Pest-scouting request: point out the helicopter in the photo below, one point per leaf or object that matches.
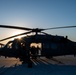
(47, 45)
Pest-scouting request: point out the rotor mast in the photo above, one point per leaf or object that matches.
(36, 30)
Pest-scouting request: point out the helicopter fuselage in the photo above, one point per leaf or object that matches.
(49, 46)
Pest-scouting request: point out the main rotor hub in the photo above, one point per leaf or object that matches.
(37, 30)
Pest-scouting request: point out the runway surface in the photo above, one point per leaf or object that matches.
(65, 65)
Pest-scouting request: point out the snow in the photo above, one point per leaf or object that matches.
(14, 67)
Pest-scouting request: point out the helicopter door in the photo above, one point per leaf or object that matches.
(35, 48)
(45, 48)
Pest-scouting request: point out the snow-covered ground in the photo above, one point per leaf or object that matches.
(65, 65)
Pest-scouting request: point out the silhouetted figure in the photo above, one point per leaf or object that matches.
(33, 51)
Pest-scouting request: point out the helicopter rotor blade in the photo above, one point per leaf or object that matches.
(1, 44)
(14, 27)
(35, 29)
(15, 36)
(59, 27)
(44, 33)
(40, 30)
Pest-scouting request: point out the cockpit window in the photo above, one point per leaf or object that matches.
(9, 45)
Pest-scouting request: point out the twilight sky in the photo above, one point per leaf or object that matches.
(38, 13)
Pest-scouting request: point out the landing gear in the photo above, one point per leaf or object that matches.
(30, 64)
(49, 57)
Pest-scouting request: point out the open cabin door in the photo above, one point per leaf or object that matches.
(35, 48)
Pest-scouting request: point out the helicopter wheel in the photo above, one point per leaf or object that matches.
(49, 57)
